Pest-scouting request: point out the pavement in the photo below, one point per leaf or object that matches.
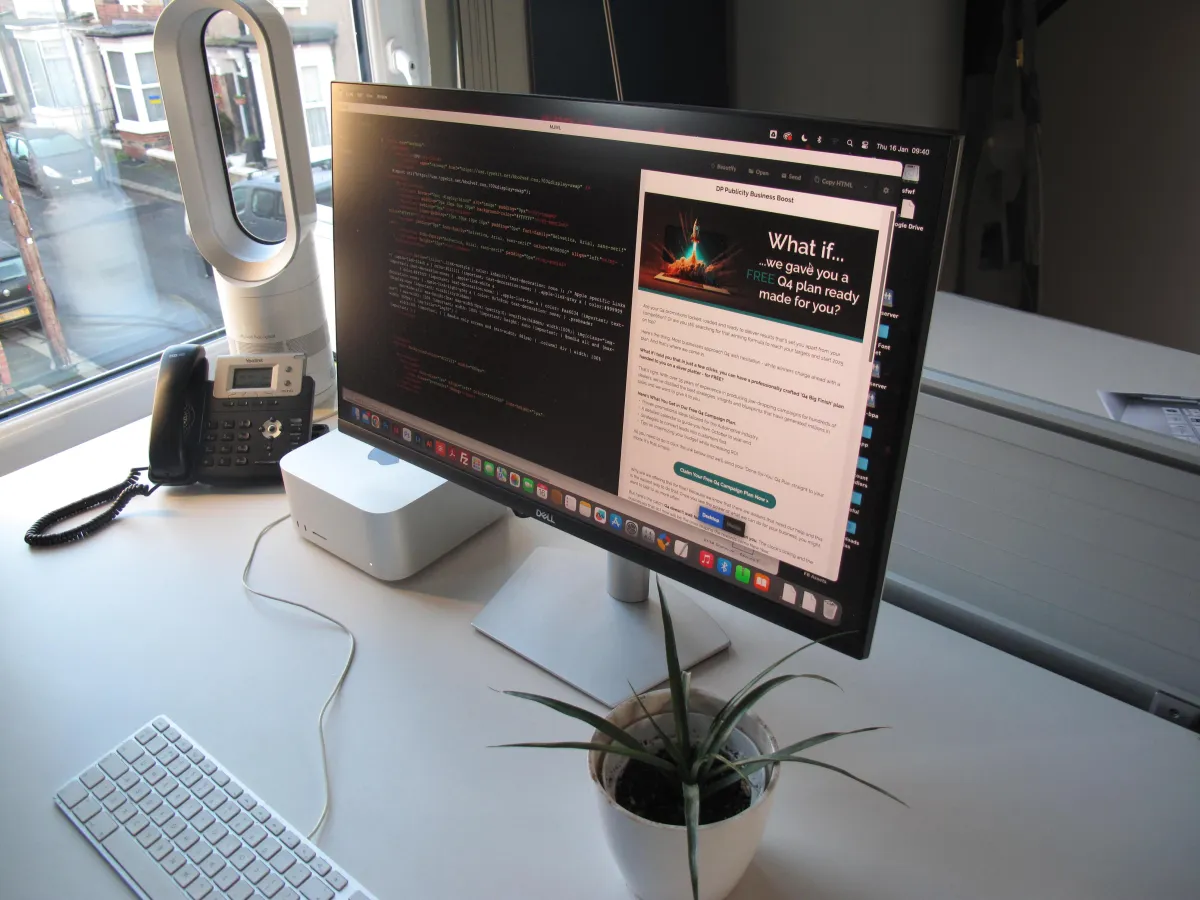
(126, 279)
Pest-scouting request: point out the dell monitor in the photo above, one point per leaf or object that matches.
(690, 337)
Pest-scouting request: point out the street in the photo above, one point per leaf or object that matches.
(126, 279)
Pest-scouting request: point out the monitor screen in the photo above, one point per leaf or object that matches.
(692, 337)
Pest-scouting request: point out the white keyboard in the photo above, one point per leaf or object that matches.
(175, 825)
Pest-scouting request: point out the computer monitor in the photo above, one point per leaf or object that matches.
(690, 337)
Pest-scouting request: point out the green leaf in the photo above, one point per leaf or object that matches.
(707, 790)
(813, 762)
(598, 722)
(691, 818)
(616, 749)
(676, 681)
(752, 764)
(675, 751)
(718, 735)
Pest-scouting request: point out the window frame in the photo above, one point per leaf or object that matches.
(128, 49)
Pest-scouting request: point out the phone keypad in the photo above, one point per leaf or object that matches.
(248, 446)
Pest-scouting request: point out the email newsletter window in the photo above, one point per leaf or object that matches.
(673, 327)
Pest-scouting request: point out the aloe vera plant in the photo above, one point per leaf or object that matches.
(703, 767)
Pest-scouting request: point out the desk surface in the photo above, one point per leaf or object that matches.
(1022, 784)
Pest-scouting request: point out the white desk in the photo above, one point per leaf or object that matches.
(1022, 784)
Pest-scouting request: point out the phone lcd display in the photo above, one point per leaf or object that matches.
(259, 377)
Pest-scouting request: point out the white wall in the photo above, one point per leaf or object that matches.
(894, 61)
(1121, 86)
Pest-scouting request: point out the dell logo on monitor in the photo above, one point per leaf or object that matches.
(544, 516)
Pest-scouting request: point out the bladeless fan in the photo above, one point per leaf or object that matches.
(270, 293)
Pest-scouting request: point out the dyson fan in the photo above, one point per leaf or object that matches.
(270, 293)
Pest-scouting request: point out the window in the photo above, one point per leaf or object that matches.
(121, 86)
(51, 74)
(97, 180)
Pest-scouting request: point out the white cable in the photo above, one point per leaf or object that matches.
(337, 685)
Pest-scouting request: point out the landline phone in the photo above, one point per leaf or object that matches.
(231, 430)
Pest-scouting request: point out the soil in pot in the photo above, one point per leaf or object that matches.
(647, 792)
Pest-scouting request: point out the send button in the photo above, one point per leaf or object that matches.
(712, 517)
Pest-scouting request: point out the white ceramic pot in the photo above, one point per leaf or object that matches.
(653, 857)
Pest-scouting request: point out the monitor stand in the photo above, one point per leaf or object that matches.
(554, 612)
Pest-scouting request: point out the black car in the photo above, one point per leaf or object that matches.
(16, 300)
(50, 160)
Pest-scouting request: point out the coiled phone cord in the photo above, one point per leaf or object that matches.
(117, 496)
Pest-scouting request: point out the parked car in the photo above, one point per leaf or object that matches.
(50, 160)
(16, 299)
(259, 204)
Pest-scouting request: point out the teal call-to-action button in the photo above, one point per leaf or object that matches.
(733, 488)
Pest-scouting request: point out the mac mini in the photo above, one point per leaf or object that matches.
(385, 516)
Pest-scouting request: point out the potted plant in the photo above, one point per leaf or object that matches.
(685, 781)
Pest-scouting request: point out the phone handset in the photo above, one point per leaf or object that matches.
(179, 406)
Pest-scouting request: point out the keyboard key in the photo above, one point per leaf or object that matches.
(103, 789)
(289, 840)
(183, 746)
(190, 777)
(254, 835)
(233, 789)
(314, 889)
(287, 894)
(130, 750)
(260, 813)
(187, 840)
(202, 821)
(305, 852)
(219, 777)
(144, 763)
(167, 785)
(156, 745)
(168, 755)
(228, 845)
(200, 852)
(190, 807)
(227, 811)
(160, 848)
(156, 774)
(297, 875)
(241, 858)
(150, 804)
(240, 891)
(247, 802)
(128, 780)
(215, 833)
(172, 734)
(199, 889)
(226, 878)
(203, 788)
(179, 766)
(113, 766)
(86, 809)
(239, 823)
(207, 766)
(275, 827)
(195, 756)
(101, 826)
(174, 860)
(255, 872)
(146, 735)
(337, 879)
(139, 792)
(178, 797)
(320, 867)
(115, 800)
(214, 800)
(270, 885)
(150, 835)
(125, 812)
(162, 815)
(212, 865)
(137, 824)
(92, 777)
(186, 876)
(268, 848)
(161, 724)
(174, 827)
(282, 861)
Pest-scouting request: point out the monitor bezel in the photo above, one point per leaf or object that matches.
(856, 643)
